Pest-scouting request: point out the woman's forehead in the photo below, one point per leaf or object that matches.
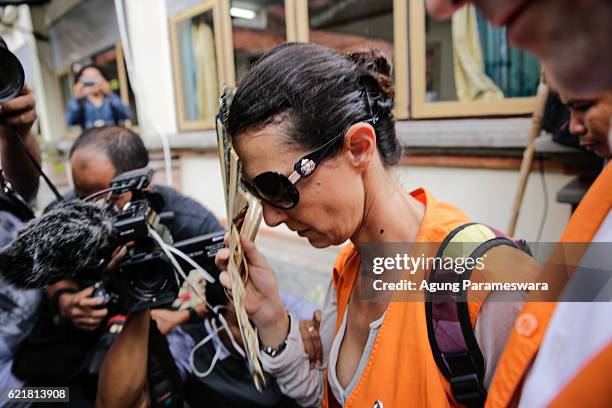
(264, 150)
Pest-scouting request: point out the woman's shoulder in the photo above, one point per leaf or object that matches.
(440, 219)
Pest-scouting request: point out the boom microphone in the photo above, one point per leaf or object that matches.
(73, 236)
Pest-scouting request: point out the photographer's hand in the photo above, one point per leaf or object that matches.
(167, 319)
(18, 115)
(262, 299)
(16, 119)
(80, 91)
(82, 309)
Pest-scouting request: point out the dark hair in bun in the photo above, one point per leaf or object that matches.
(322, 93)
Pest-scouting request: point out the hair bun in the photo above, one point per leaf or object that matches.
(377, 65)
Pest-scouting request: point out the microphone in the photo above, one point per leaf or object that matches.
(73, 236)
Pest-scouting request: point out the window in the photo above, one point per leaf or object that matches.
(112, 62)
(257, 27)
(197, 66)
(465, 67)
(66, 81)
(350, 25)
(358, 24)
(125, 87)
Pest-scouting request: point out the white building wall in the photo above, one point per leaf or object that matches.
(152, 82)
(39, 74)
(485, 195)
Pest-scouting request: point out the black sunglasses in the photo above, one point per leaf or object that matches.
(279, 190)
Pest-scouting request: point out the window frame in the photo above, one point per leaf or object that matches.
(122, 79)
(421, 109)
(216, 6)
(59, 74)
(224, 51)
(122, 74)
(292, 33)
(400, 49)
(297, 30)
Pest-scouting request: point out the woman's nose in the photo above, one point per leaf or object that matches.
(272, 215)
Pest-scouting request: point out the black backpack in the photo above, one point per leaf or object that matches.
(449, 328)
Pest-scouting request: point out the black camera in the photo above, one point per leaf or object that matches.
(146, 277)
(12, 77)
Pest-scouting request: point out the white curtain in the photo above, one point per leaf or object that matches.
(207, 83)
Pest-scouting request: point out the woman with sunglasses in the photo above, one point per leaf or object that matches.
(315, 132)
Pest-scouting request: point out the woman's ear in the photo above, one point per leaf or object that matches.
(360, 145)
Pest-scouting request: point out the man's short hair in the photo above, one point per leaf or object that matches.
(123, 147)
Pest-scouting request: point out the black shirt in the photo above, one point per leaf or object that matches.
(191, 219)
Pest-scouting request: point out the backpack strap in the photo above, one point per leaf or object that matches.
(449, 327)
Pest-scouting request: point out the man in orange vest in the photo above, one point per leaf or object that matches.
(561, 354)
(591, 121)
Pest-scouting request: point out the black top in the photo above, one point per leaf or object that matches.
(230, 384)
(191, 219)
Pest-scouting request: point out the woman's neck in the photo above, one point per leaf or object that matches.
(391, 214)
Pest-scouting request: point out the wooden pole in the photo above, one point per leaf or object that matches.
(536, 126)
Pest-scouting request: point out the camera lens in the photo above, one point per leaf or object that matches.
(12, 76)
(146, 284)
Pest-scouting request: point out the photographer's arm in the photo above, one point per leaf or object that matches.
(16, 119)
(123, 377)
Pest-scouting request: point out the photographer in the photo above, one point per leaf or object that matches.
(94, 104)
(71, 333)
(207, 355)
(96, 157)
(16, 306)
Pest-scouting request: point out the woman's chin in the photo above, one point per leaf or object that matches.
(319, 244)
(316, 240)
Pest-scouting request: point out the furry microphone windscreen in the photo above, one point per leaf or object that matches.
(73, 236)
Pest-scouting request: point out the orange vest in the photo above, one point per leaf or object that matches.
(533, 320)
(401, 371)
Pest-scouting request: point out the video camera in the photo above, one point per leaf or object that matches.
(146, 277)
(12, 77)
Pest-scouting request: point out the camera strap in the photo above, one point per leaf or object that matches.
(40, 171)
(12, 202)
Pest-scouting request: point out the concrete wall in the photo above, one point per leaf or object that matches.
(39, 73)
(152, 84)
(485, 195)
